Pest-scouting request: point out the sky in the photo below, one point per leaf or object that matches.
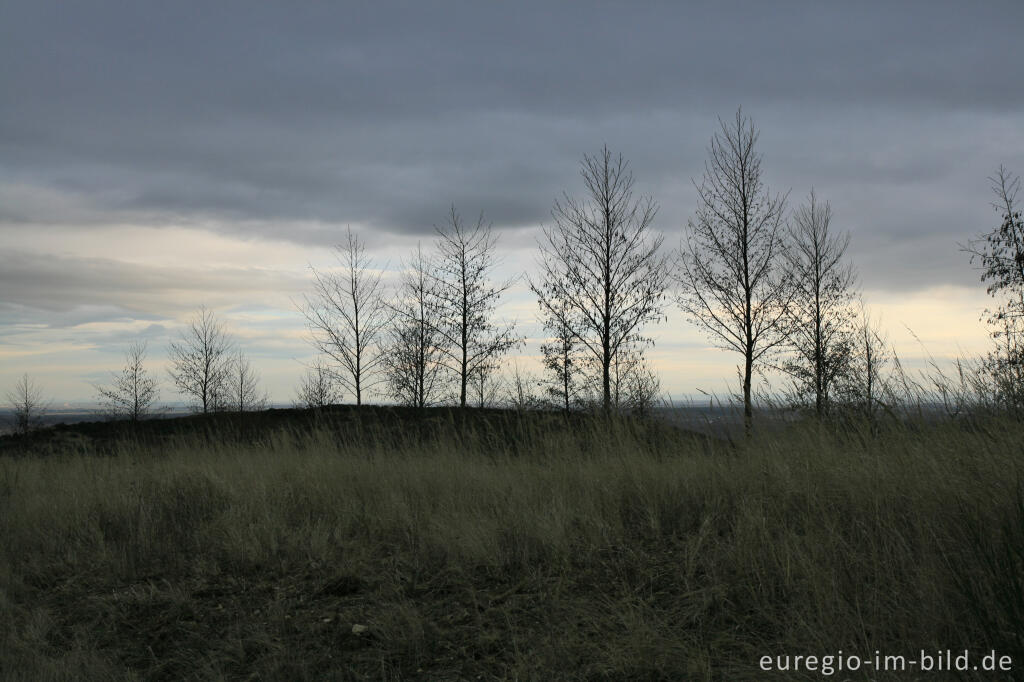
(160, 156)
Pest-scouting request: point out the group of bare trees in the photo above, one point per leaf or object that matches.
(211, 370)
(435, 339)
(773, 286)
(206, 367)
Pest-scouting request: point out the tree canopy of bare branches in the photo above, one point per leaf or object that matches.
(731, 274)
(467, 300)
(201, 362)
(132, 393)
(602, 275)
(820, 319)
(412, 358)
(347, 315)
(26, 400)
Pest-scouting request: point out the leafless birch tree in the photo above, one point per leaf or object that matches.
(467, 300)
(731, 272)
(602, 275)
(242, 391)
(347, 315)
(318, 388)
(132, 393)
(201, 362)
(563, 380)
(820, 321)
(412, 357)
(865, 383)
(26, 400)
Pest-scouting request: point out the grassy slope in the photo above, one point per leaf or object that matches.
(503, 548)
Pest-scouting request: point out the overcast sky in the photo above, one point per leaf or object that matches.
(155, 156)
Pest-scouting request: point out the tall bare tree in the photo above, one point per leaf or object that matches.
(347, 315)
(602, 275)
(413, 354)
(820, 321)
(132, 393)
(467, 300)
(201, 362)
(26, 400)
(1000, 254)
(731, 272)
(243, 393)
(318, 388)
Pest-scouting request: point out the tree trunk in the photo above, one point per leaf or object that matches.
(748, 409)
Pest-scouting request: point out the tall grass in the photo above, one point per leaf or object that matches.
(595, 552)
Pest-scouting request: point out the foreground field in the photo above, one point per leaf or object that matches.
(508, 547)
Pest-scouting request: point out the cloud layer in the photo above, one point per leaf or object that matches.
(267, 123)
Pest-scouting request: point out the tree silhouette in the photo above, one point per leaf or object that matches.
(731, 272)
(133, 393)
(347, 315)
(1000, 254)
(26, 400)
(201, 362)
(602, 277)
(413, 354)
(242, 390)
(467, 300)
(318, 388)
(819, 323)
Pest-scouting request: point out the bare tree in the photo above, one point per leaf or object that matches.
(519, 392)
(602, 277)
(731, 272)
(318, 388)
(563, 382)
(1000, 254)
(820, 321)
(864, 383)
(642, 388)
(201, 362)
(412, 357)
(132, 393)
(486, 385)
(347, 315)
(634, 386)
(242, 391)
(26, 400)
(467, 300)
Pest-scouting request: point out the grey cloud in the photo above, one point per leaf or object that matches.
(74, 291)
(274, 118)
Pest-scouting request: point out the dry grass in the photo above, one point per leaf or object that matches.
(589, 553)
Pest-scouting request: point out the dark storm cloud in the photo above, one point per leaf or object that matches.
(260, 115)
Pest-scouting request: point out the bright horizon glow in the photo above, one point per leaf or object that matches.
(67, 361)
